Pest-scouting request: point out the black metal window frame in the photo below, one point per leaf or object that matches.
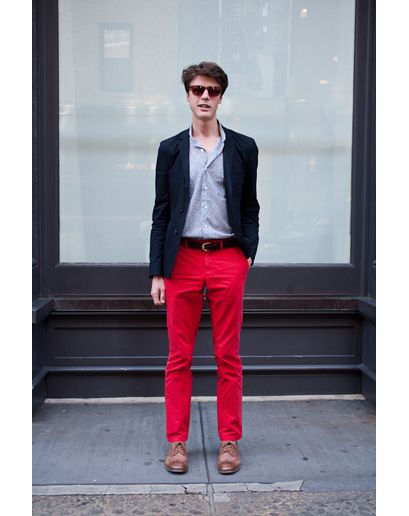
(93, 279)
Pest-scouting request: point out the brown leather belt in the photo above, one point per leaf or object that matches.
(211, 244)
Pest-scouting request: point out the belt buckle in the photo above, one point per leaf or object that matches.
(203, 246)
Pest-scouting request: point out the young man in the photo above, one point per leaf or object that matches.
(204, 234)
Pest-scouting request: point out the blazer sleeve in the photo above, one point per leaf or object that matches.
(249, 204)
(160, 214)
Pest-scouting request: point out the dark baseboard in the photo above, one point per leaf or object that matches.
(118, 348)
(369, 388)
(39, 394)
(256, 382)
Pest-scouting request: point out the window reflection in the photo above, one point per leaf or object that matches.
(116, 62)
(116, 43)
(290, 66)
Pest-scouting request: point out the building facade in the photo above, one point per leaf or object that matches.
(106, 91)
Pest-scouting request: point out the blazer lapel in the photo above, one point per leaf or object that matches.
(184, 155)
(228, 151)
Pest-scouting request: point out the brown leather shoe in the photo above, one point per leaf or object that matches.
(176, 458)
(229, 457)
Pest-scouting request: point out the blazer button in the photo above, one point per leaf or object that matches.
(175, 231)
(181, 210)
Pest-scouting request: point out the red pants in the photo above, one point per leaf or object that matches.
(224, 273)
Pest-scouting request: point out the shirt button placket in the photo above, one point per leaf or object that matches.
(204, 194)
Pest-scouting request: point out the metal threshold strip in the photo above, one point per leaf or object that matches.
(205, 399)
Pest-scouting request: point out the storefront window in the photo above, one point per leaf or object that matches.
(290, 66)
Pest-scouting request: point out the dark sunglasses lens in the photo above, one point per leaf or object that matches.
(213, 91)
(197, 90)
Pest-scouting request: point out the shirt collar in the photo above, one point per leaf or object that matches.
(222, 133)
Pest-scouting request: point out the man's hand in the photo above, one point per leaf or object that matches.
(158, 290)
(249, 262)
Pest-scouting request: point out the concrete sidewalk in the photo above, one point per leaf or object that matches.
(298, 456)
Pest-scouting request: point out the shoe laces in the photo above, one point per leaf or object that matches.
(179, 448)
(230, 448)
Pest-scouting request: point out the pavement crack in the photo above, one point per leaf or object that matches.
(210, 498)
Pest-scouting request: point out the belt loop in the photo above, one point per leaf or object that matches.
(221, 244)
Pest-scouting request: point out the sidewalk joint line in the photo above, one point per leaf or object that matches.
(203, 443)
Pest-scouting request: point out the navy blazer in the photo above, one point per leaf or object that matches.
(172, 185)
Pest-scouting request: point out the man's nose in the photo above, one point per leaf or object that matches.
(205, 94)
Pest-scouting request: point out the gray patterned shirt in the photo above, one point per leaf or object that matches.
(207, 213)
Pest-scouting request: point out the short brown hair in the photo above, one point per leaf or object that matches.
(208, 69)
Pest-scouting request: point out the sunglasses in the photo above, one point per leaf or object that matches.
(213, 91)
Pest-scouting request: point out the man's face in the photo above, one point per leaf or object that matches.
(204, 106)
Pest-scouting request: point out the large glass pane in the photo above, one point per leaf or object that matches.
(290, 66)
